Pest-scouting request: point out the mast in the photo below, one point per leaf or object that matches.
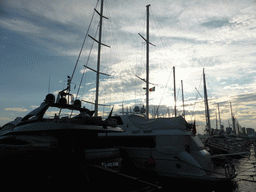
(216, 121)
(174, 85)
(233, 120)
(147, 65)
(238, 129)
(98, 62)
(183, 114)
(219, 116)
(207, 115)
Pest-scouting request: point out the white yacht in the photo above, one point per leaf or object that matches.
(76, 131)
(165, 146)
(39, 148)
(37, 132)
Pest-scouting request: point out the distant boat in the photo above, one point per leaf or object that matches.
(222, 146)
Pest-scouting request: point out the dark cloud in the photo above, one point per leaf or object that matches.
(205, 61)
(177, 39)
(217, 23)
(245, 98)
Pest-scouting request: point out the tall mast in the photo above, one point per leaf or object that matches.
(216, 121)
(98, 73)
(233, 120)
(147, 65)
(174, 84)
(219, 116)
(183, 99)
(98, 62)
(207, 115)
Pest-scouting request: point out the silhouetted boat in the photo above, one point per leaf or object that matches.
(37, 147)
(163, 146)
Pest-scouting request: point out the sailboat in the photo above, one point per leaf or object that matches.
(162, 146)
(36, 147)
(221, 146)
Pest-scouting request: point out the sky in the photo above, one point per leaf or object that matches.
(40, 41)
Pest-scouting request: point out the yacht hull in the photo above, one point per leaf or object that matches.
(181, 166)
(173, 165)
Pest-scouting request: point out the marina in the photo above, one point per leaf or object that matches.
(63, 144)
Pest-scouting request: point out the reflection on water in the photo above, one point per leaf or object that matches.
(246, 173)
(244, 182)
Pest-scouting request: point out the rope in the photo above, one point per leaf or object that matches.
(163, 94)
(86, 64)
(83, 44)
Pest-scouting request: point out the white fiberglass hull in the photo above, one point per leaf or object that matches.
(181, 165)
(173, 165)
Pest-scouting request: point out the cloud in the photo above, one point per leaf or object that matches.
(5, 119)
(219, 36)
(51, 113)
(34, 106)
(216, 23)
(60, 10)
(19, 25)
(16, 109)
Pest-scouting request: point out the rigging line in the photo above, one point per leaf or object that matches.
(86, 63)
(159, 29)
(83, 43)
(116, 53)
(197, 93)
(177, 100)
(158, 26)
(163, 93)
(178, 93)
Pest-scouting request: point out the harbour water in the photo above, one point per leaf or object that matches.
(246, 173)
(245, 180)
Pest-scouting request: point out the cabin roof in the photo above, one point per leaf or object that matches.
(159, 123)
